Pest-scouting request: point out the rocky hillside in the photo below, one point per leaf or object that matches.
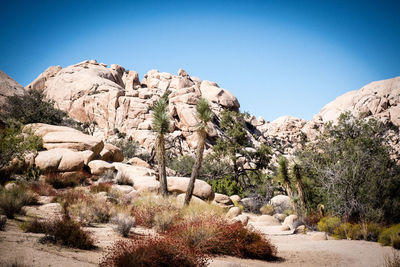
(117, 101)
(9, 87)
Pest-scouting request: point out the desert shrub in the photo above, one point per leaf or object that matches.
(128, 147)
(13, 144)
(32, 108)
(146, 207)
(123, 179)
(348, 231)
(181, 165)
(386, 237)
(352, 172)
(58, 181)
(201, 211)
(329, 224)
(67, 233)
(3, 221)
(71, 197)
(33, 226)
(124, 223)
(218, 237)
(164, 221)
(12, 200)
(311, 220)
(107, 176)
(371, 231)
(267, 209)
(91, 210)
(152, 252)
(226, 186)
(62, 231)
(100, 187)
(43, 189)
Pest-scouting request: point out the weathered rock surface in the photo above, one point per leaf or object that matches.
(281, 203)
(60, 160)
(201, 189)
(98, 167)
(9, 87)
(223, 199)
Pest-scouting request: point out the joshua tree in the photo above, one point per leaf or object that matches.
(283, 176)
(296, 171)
(161, 127)
(205, 115)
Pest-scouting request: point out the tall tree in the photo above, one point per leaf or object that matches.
(283, 175)
(296, 173)
(161, 127)
(205, 115)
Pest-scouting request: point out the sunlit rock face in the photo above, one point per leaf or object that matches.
(116, 99)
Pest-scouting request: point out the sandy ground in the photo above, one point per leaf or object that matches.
(294, 250)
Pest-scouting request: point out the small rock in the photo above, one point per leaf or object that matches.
(235, 198)
(223, 199)
(244, 219)
(233, 212)
(300, 230)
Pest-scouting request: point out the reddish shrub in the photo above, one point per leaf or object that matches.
(61, 231)
(311, 220)
(152, 251)
(220, 237)
(43, 189)
(58, 181)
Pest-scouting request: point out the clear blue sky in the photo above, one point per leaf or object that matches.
(278, 57)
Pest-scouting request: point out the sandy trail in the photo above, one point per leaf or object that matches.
(295, 250)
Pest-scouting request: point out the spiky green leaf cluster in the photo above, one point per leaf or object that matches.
(160, 116)
(204, 112)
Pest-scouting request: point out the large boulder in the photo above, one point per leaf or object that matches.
(201, 189)
(281, 203)
(223, 199)
(211, 92)
(111, 153)
(98, 167)
(142, 179)
(60, 160)
(65, 137)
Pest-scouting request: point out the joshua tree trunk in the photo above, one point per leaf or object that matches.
(197, 165)
(162, 174)
(300, 191)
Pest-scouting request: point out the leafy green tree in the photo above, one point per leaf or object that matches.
(351, 172)
(235, 145)
(32, 108)
(161, 127)
(205, 115)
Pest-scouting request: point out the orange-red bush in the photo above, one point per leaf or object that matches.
(219, 237)
(152, 251)
(43, 189)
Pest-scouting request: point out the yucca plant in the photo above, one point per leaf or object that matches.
(204, 114)
(283, 175)
(161, 127)
(296, 171)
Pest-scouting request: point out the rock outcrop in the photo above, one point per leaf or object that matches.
(113, 98)
(9, 87)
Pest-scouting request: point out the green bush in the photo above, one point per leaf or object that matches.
(129, 148)
(329, 224)
(267, 209)
(348, 231)
(371, 231)
(32, 108)
(13, 144)
(12, 200)
(387, 235)
(226, 186)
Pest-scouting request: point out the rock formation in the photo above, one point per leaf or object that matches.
(9, 87)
